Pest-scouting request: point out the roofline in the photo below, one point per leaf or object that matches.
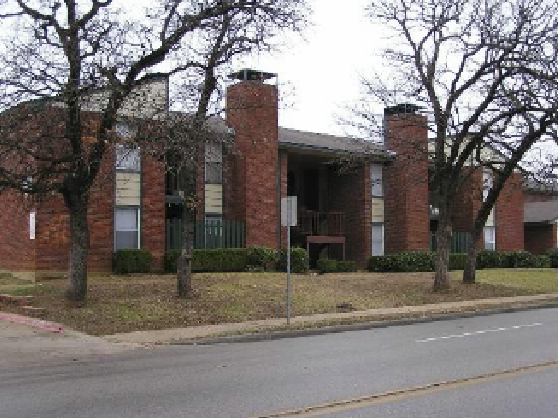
(290, 145)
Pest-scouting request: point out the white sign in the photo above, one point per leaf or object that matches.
(32, 225)
(288, 206)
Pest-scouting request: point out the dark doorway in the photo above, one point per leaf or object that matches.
(312, 189)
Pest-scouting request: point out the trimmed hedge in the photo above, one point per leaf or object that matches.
(346, 266)
(552, 254)
(413, 261)
(261, 259)
(299, 260)
(211, 260)
(325, 265)
(131, 261)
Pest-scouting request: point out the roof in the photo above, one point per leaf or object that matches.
(291, 138)
(541, 212)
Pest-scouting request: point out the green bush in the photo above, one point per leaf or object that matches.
(131, 261)
(457, 261)
(261, 258)
(211, 260)
(299, 260)
(492, 259)
(405, 261)
(520, 259)
(541, 261)
(325, 265)
(346, 266)
(552, 254)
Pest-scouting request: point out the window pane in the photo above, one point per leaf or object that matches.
(376, 180)
(127, 158)
(377, 240)
(126, 240)
(213, 153)
(213, 173)
(489, 238)
(126, 220)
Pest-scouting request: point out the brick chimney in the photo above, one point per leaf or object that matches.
(406, 196)
(251, 196)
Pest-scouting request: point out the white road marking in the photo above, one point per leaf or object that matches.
(470, 334)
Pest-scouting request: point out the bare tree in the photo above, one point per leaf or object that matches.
(63, 59)
(484, 71)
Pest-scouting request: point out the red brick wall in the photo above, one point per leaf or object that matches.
(540, 238)
(406, 184)
(153, 224)
(468, 201)
(53, 231)
(252, 112)
(351, 193)
(510, 215)
(17, 251)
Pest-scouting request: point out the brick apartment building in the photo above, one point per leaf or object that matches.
(379, 204)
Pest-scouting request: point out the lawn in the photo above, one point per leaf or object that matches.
(126, 303)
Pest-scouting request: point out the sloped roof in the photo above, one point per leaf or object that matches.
(292, 138)
(541, 211)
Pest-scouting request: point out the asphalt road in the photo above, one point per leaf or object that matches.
(245, 379)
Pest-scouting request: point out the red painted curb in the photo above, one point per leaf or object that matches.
(32, 322)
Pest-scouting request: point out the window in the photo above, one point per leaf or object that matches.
(487, 185)
(378, 239)
(376, 180)
(127, 158)
(213, 164)
(489, 238)
(126, 227)
(213, 231)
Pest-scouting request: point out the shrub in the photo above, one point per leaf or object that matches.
(552, 254)
(405, 261)
(261, 258)
(457, 261)
(520, 259)
(325, 265)
(491, 259)
(542, 261)
(346, 266)
(299, 260)
(210, 260)
(131, 261)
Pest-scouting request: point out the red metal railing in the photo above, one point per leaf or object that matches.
(321, 223)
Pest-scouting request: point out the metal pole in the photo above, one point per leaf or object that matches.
(288, 261)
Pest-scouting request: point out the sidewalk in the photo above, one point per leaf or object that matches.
(22, 343)
(323, 323)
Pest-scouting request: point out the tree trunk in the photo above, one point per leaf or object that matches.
(470, 268)
(184, 265)
(79, 246)
(441, 277)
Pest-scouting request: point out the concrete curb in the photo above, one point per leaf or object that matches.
(361, 326)
(32, 322)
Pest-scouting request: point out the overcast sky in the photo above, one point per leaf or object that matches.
(320, 75)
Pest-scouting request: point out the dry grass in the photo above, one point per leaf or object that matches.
(120, 304)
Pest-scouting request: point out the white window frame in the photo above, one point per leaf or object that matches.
(377, 181)
(214, 157)
(138, 224)
(127, 158)
(489, 245)
(382, 228)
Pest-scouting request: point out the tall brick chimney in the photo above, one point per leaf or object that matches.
(406, 196)
(252, 111)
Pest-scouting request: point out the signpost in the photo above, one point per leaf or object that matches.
(288, 219)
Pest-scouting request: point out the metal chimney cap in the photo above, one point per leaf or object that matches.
(251, 75)
(402, 108)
